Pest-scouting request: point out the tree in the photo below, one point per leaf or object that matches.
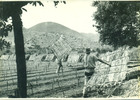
(117, 22)
(14, 10)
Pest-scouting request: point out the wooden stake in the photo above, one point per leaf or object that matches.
(7, 85)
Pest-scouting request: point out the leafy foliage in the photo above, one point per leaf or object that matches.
(4, 44)
(118, 22)
(57, 2)
(7, 9)
(4, 28)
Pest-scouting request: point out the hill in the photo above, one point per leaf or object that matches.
(46, 33)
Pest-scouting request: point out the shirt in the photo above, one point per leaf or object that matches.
(89, 62)
(59, 62)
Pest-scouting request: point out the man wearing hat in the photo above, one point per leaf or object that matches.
(89, 64)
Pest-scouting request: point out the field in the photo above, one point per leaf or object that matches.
(42, 80)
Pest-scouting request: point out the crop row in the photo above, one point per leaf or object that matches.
(39, 81)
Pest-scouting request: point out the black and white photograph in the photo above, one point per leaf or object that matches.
(87, 49)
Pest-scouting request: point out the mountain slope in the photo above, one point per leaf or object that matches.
(47, 33)
(51, 27)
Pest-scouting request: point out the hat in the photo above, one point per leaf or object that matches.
(87, 49)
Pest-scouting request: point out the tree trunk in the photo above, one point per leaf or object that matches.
(20, 55)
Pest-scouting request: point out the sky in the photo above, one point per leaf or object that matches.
(75, 14)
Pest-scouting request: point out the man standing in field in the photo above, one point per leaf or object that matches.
(60, 66)
(89, 65)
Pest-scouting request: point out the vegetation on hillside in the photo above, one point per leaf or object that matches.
(45, 34)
